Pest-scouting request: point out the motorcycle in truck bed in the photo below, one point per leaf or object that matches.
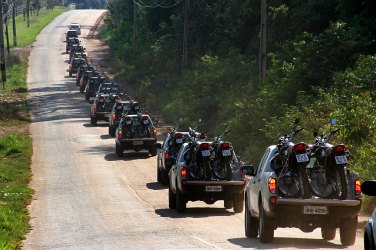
(267, 208)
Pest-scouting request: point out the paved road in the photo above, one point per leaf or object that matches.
(87, 198)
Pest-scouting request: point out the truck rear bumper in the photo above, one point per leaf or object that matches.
(196, 190)
(136, 143)
(289, 213)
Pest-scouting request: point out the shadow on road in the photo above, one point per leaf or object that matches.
(128, 156)
(107, 136)
(281, 243)
(195, 212)
(155, 186)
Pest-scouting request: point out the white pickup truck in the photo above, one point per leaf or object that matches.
(266, 210)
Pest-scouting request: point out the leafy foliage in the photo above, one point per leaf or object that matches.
(321, 64)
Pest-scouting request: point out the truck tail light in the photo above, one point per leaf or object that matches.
(155, 132)
(113, 117)
(184, 171)
(120, 134)
(273, 200)
(357, 186)
(272, 185)
(166, 154)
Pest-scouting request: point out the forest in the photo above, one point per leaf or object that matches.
(321, 64)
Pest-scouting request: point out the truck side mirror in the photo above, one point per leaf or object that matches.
(248, 170)
(369, 188)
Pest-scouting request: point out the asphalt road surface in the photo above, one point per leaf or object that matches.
(87, 198)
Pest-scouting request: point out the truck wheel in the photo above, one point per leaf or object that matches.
(153, 150)
(159, 172)
(328, 233)
(181, 204)
(347, 231)
(228, 204)
(164, 178)
(250, 224)
(119, 150)
(70, 73)
(238, 206)
(111, 131)
(171, 199)
(93, 121)
(266, 232)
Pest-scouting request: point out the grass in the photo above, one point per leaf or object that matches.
(15, 174)
(27, 35)
(15, 142)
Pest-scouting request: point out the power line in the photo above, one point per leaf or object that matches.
(140, 3)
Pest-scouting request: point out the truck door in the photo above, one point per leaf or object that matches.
(255, 184)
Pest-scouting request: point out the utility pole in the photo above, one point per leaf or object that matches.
(135, 47)
(14, 24)
(262, 66)
(185, 37)
(2, 52)
(28, 12)
(7, 34)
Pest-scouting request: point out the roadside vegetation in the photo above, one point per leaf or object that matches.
(15, 142)
(321, 64)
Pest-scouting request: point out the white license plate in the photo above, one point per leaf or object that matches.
(146, 122)
(179, 140)
(101, 100)
(302, 158)
(315, 210)
(138, 143)
(128, 122)
(205, 153)
(226, 152)
(341, 159)
(213, 188)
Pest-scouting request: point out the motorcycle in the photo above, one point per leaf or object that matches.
(328, 174)
(222, 154)
(289, 163)
(198, 156)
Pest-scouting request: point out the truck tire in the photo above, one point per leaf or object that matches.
(93, 121)
(153, 150)
(164, 178)
(119, 150)
(266, 232)
(328, 233)
(159, 172)
(228, 203)
(70, 73)
(181, 204)
(111, 131)
(238, 206)
(171, 199)
(347, 231)
(250, 224)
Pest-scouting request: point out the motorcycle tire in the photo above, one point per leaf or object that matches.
(207, 170)
(340, 172)
(304, 182)
(228, 170)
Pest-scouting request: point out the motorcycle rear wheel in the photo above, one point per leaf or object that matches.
(341, 181)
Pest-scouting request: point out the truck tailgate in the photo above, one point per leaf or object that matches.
(215, 183)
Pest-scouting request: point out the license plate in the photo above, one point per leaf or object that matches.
(302, 158)
(341, 159)
(138, 143)
(146, 122)
(101, 100)
(179, 141)
(315, 210)
(226, 152)
(128, 122)
(205, 153)
(213, 188)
